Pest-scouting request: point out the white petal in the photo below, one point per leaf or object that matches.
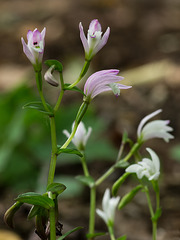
(102, 215)
(145, 119)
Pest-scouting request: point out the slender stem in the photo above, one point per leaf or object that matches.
(105, 175)
(111, 232)
(39, 86)
(54, 150)
(61, 93)
(59, 100)
(80, 114)
(52, 218)
(84, 166)
(81, 75)
(92, 210)
(112, 168)
(154, 222)
(154, 226)
(149, 201)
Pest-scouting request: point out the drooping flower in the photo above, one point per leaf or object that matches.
(154, 129)
(34, 48)
(102, 81)
(147, 167)
(50, 78)
(108, 208)
(94, 41)
(81, 136)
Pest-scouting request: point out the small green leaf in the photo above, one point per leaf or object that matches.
(8, 216)
(39, 106)
(58, 66)
(66, 87)
(157, 215)
(122, 164)
(69, 151)
(93, 235)
(56, 188)
(36, 199)
(36, 210)
(124, 237)
(118, 183)
(129, 196)
(69, 232)
(89, 181)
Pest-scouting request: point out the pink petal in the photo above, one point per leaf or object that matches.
(83, 38)
(27, 52)
(102, 42)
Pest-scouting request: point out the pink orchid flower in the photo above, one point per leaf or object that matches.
(34, 48)
(102, 81)
(94, 41)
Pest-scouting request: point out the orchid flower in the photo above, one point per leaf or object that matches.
(154, 129)
(103, 81)
(147, 167)
(81, 136)
(34, 48)
(108, 208)
(50, 78)
(94, 41)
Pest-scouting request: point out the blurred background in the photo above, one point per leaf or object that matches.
(145, 45)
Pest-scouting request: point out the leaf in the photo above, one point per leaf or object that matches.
(129, 196)
(58, 66)
(56, 188)
(89, 235)
(36, 199)
(69, 232)
(39, 106)
(69, 151)
(89, 181)
(122, 164)
(36, 210)
(8, 216)
(124, 237)
(157, 215)
(66, 87)
(118, 183)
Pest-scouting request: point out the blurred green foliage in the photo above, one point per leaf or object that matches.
(25, 145)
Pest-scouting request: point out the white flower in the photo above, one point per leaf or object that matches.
(81, 136)
(154, 129)
(147, 167)
(108, 208)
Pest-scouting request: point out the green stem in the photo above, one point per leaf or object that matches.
(105, 175)
(84, 166)
(83, 72)
(39, 86)
(111, 232)
(59, 100)
(154, 222)
(113, 167)
(52, 218)
(61, 93)
(54, 150)
(80, 114)
(92, 210)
